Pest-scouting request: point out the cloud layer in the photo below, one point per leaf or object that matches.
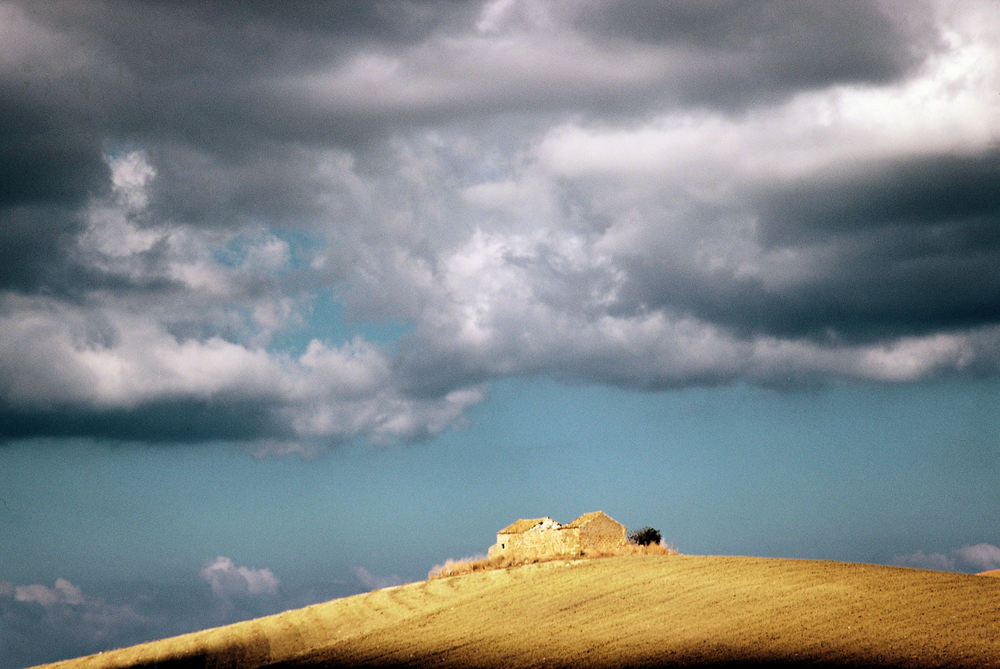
(651, 197)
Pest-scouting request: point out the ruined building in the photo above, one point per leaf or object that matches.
(594, 532)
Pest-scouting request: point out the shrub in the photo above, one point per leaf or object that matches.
(645, 536)
(475, 563)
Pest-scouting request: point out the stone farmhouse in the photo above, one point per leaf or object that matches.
(593, 532)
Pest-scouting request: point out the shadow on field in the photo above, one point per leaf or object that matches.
(678, 663)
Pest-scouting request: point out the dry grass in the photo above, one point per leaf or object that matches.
(630, 611)
(469, 565)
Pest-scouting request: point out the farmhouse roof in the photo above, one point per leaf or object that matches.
(586, 518)
(523, 525)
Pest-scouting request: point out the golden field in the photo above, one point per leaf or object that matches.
(640, 610)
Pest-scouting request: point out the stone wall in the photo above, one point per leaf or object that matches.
(602, 534)
(598, 533)
(537, 542)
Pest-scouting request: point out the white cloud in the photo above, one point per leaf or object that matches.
(376, 581)
(130, 174)
(921, 560)
(40, 623)
(493, 14)
(903, 359)
(672, 188)
(122, 238)
(52, 354)
(110, 352)
(271, 253)
(510, 302)
(521, 57)
(950, 105)
(62, 592)
(111, 235)
(30, 46)
(68, 611)
(494, 194)
(227, 579)
(977, 558)
(982, 557)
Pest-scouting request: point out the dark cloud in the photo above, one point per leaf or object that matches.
(231, 84)
(886, 283)
(34, 242)
(642, 194)
(208, 76)
(744, 52)
(910, 243)
(182, 420)
(775, 27)
(232, 41)
(276, 184)
(234, 78)
(47, 156)
(957, 194)
(875, 296)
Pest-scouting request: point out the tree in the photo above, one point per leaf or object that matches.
(645, 536)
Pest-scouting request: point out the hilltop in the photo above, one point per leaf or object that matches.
(620, 611)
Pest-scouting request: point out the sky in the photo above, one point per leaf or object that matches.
(298, 301)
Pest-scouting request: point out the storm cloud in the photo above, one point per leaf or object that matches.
(645, 195)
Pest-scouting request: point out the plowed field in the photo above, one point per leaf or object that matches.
(624, 611)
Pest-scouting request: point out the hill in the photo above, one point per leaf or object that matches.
(623, 611)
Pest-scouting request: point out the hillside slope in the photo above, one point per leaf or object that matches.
(625, 611)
